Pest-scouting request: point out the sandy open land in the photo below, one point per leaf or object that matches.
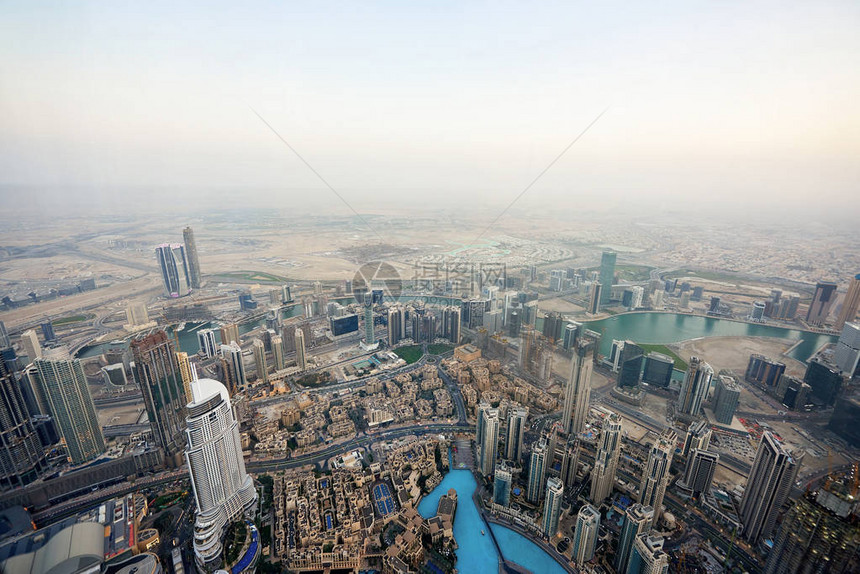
(734, 352)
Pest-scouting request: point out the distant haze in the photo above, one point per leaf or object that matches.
(741, 104)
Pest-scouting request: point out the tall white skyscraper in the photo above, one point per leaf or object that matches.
(585, 534)
(637, 521)
(656, 475)
(606, 461)
(552, 506)
(174, 270)
(260, 360)
(232, 354)
(648, 556)
(223, 491)
(768, 487)
(577, 393)
(698, 436)
(537, 471)
(517, 417)
(490, 441)
(206, 339)
(301, 350)
(32, 348)
(694, 390)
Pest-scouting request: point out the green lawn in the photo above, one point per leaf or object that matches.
(71, 319)
(680, 363)
(409, 354)
(439, 349)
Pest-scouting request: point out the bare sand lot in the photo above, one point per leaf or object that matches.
(734, 352)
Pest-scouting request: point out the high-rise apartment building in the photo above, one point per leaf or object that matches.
(451, 324)
(207, 342)
(223, 491)
(157, 372)
(577, 392)
(726, 397)
(767, 489)
(22, 457)
(396, 325)
(607, 275)
(517, 417)
(701, 465)
(174, 270)
(301, 350)
(847, 352)
(570, 334)
(278, 352)
(694, 389)
(490, 441)
(502, 482)
(606, 460)
(597, 291)
(32, 348)
(232, 355)
(850, 304)
(585, 534)
(260, 365)
(63, 386)
(185, 372)
(698, 436)
(552, 506)
(648, 556)
(193, 260)
(656, 475)
(230, 334)
(822, 301)
(637, 521)
(537, 471)
(4, 337)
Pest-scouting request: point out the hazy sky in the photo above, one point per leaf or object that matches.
(744, 102)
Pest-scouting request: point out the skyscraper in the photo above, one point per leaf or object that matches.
(4, 337)
(552, 506)
(767, 489)
(396, 325)
(656, 475)
(193, 261)
(260, 360)
(63, 385)
(208, 345)
(30, 341)
(606, 460)
(597, 291)
(369, 336)
(301, 350)
(850, 303)
(637, 521)
(630, 365)
(21, 454)
(174, 270)
(516, 429)
(694, 390)
(648, 556)
(451, 324)
(570, 334)
(701, 465)
(502, 485)
(48, 331)
(157, 372)
(230, 333)
(585, 534)
(726, 396)
(847, 353)
(537, 471)
(490, 441)
(223, 490)
(185, 373)
(607, 275)
(658, 369)
(698, 436)
(232, 355)
(480, 411)
(822, 300)
(577, 392)
(278, 352)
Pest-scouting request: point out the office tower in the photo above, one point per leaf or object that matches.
(517, 417)
(606, 460)
(698, 437)
(4, 337)
(278, 352)
(513, 324)
(490, 441)
(594, 300)
(570, 463)
(174, 270)
(396, 325)
(301, 350)
(793, 392)
(260, 360)
(630, 365)
(537, 471)
(223, 490)
(847, 353)
(552, 506)
(757, 311)
(480, 411)
(648, 556)
(656, 475)
(193, 261)
(694, 390)
(186, 373)
(658, 370)
(570, 334)
(699, 473)
(585, 534)
(63, 386)
(850, 303)
(208, 345)
(767, 489)
(614, 357)
(822, 300)
(577, 392)
(846, 413)
(726, 396)
(818, 534)
(48, 331)
(157, 373)
(22, 457)
(369, 336)
(502, 481)
(764, 371)
(232, 355)
(32, 348)
(451, 324)
(657, 301)
(230, 334)
(607, 275)
(826, 382)
(637, 521)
